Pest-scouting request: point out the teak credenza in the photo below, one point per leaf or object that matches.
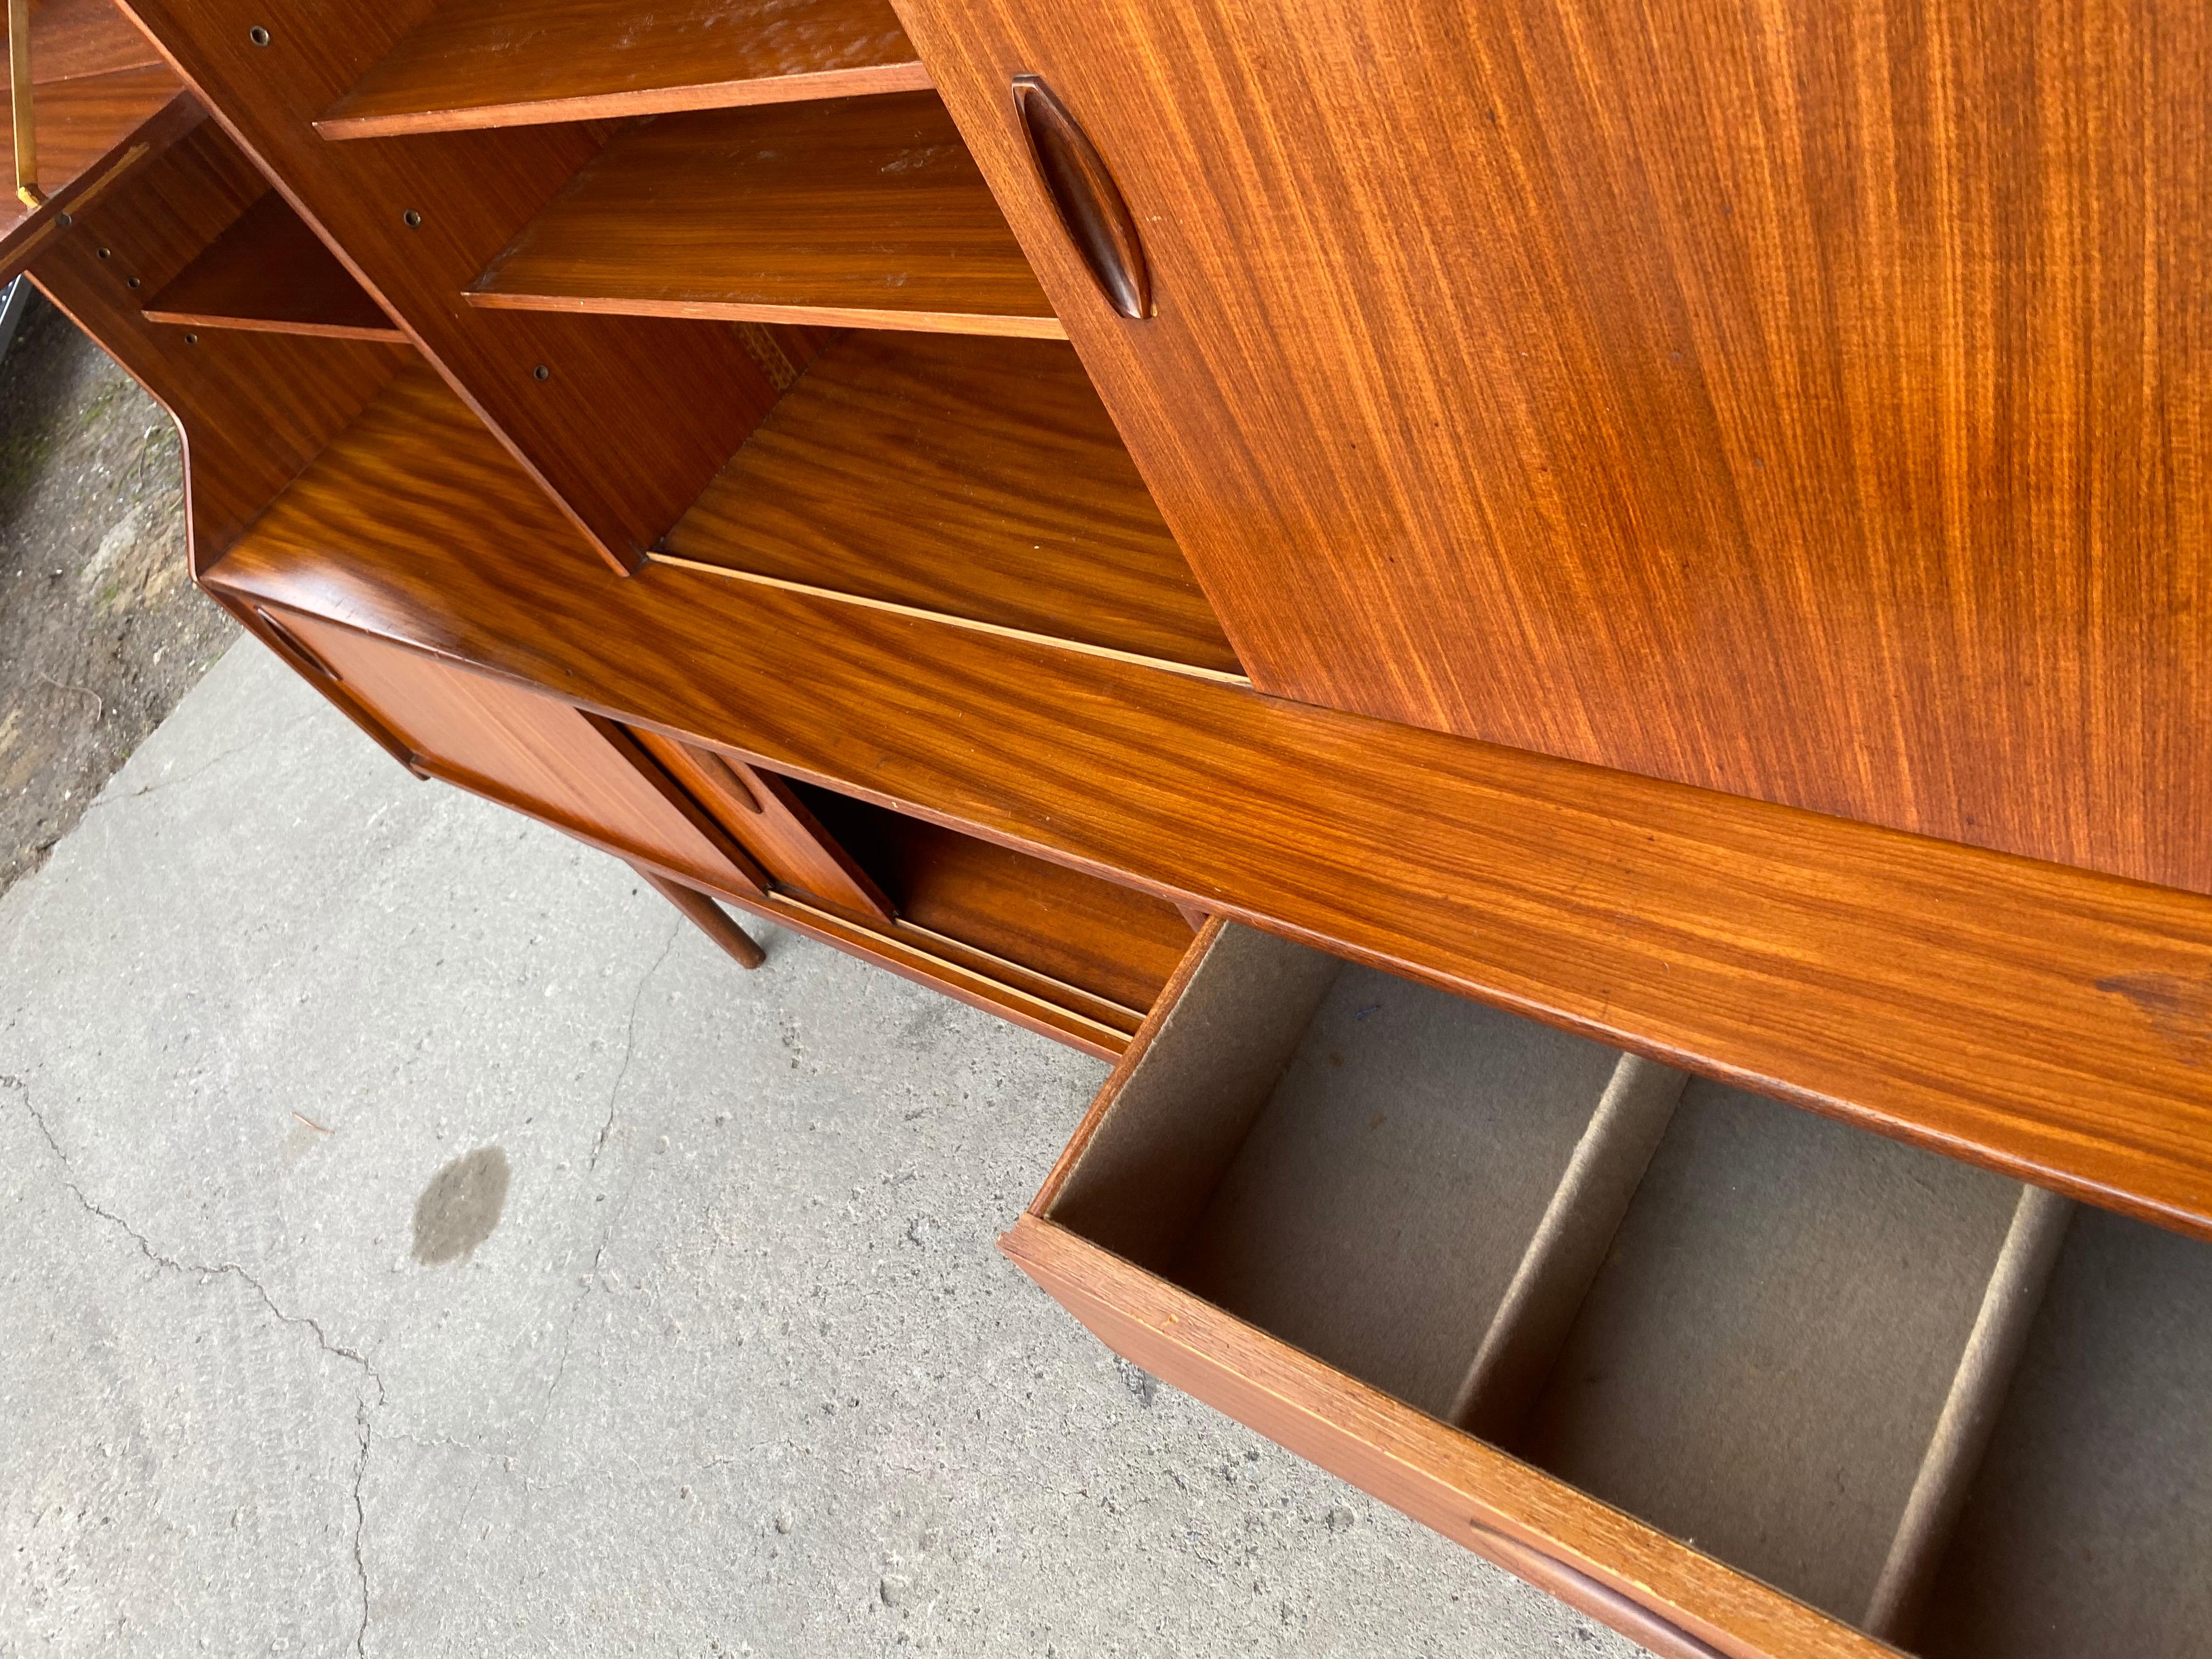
(1578, 635)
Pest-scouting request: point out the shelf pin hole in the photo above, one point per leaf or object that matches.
(259, 35)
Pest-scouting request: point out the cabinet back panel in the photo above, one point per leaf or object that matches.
(1378, 1208)
(2090, 1528)
(1759, 1366)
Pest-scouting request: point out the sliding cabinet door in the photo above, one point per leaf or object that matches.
(1807, 402)
(520, 748)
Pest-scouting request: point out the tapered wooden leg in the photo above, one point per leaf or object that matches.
(713, 920)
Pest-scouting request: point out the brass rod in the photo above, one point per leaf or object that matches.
(18, 98)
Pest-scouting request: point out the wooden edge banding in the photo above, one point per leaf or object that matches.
(708, 916)
(730, 572)
(997, 325)
(1443, 1478)
(1135, 1017)
(339, 126)
(1579, 1591)
(1979, 1386)
(393, 336)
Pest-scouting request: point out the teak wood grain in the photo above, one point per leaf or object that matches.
(540, 750)
(679, 399)
(863, 210)
(1099, 937)
(1805, 402)
(252, 409)
(87, 128)
(73, 39)
(980, 479)
(270, 272)
(496, 63)
(2051, 1023)
(1470, 1491)
(758, 810)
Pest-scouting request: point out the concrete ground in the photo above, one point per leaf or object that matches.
(735, 1368)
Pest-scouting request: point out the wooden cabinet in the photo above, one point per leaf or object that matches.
(1663, 545)
(1575, 1310)
(1804, 403)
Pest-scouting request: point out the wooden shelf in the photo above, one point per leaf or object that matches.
(271, 274)
(865, 211)
(979, 480)
(517, 62)
(73, 39)
(415, 468)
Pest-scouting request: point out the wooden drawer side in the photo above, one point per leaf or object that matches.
(1442, 1478)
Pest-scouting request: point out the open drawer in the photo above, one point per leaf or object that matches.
(1727, 1376)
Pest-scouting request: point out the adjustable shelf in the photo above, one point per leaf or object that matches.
(975, 480)
(271, 274)
(514, 63)
(866, 211)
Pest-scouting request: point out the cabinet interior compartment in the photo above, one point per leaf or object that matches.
(1762, 1365)
(268, 272)
(978, 481)
(972, 900)
(502, 63)
(2088, 1528)
(866, 210)
(1782, 1340)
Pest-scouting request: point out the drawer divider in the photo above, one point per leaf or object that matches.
(1567, 1249)
(2017, 1282)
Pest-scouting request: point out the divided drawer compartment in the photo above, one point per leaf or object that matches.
(1728, 1375)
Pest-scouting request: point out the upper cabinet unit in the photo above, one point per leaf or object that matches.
(1806, 403)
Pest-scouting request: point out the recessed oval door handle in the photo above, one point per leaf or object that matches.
(1097, 219)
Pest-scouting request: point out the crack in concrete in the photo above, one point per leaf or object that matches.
(206, 766)
(362, 1409)
(630, 1044)
(361, 1522)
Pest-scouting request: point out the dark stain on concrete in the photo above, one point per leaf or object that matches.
(460, 1207)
